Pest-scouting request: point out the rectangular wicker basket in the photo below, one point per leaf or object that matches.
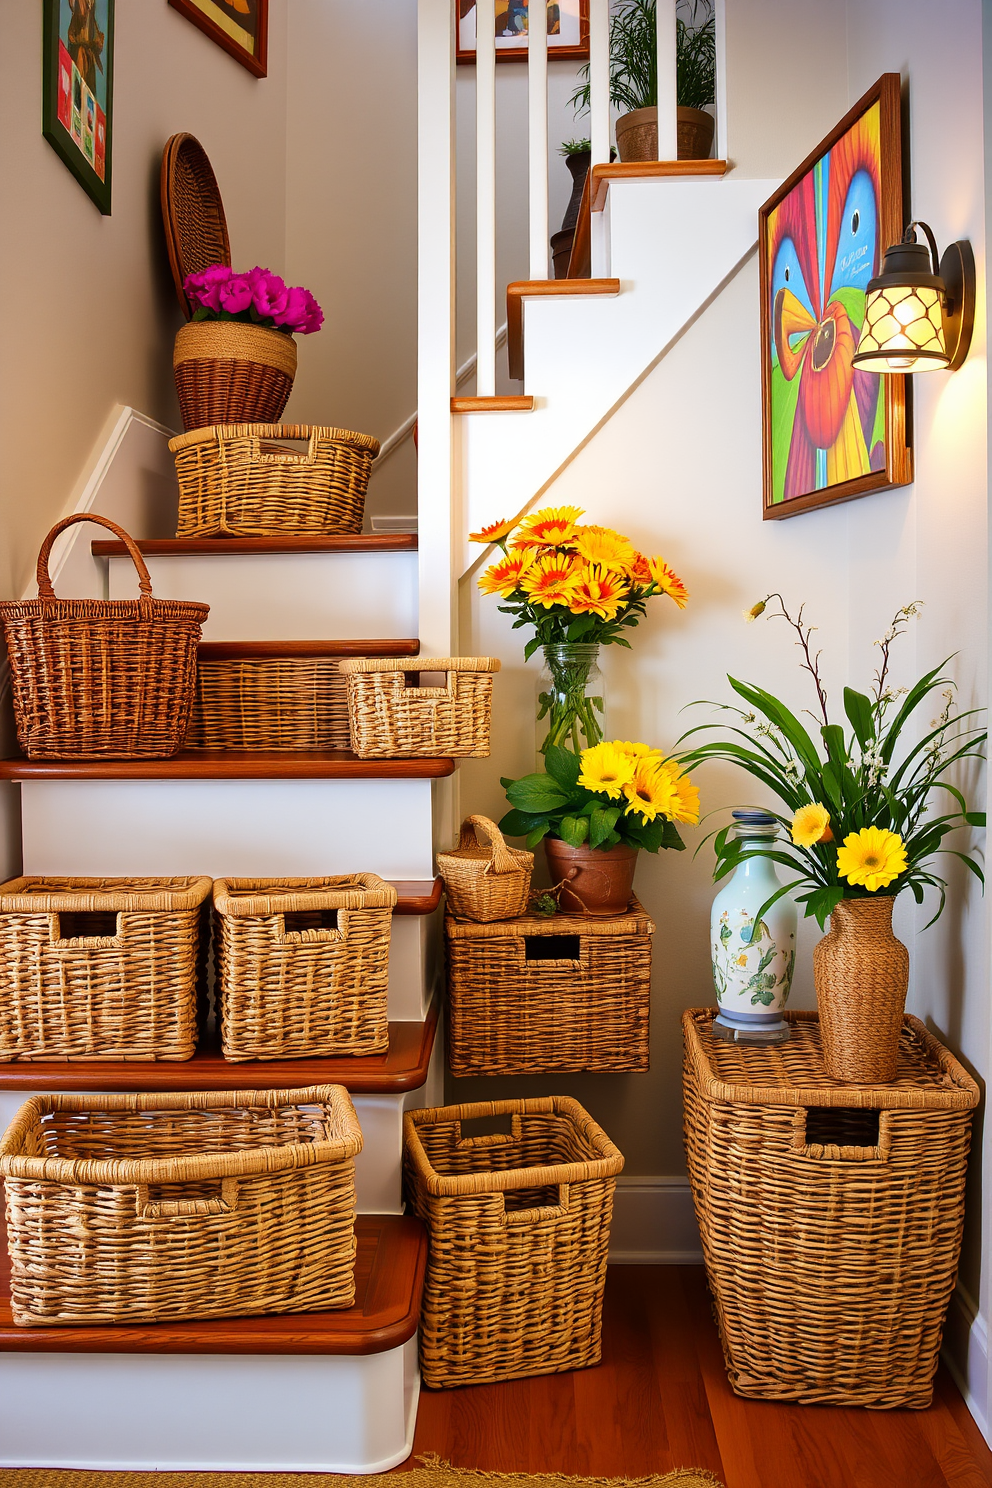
(534, 995)
(102, 968)
(238, 480)
(277, 702)
(302, 965)
(831, 1214)
(391, 719)
(143, 1208)
(519, 1228)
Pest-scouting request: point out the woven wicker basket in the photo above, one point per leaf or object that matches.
(237, 480)
(229, 372)
(485, 882)
(831, 1216)
(101, 968)
(142, 1208)
(302, 965)
(101, 678)
(534, 995)
(269, 702)
(392, 720)
(519, 1227)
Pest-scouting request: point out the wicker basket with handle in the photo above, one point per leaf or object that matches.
(238, 480)
(830, 1215)
(519, 1227)
(390, 719)
(101, 678)
(142, 1208)
(102, 968)
(485, 882)
(302, 965)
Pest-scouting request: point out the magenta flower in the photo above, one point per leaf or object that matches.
(236, 294)
(203, 289)
(269, 296)
(314, 317)
(257, 297)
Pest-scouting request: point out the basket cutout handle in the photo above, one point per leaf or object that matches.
(148, 1208)
(848, 1134)
(479, 830)
(489, 1139)
(553, 951)
(45, 591)
(290, 929)
(69, 931)
(540, 1214)
(259, 456)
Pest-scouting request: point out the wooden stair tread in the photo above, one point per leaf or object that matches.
(223, 764)
(389, 1279)
(497, 403)
(232, 547)
(648, 170)
(403, 1067)
(525, 289)
(249, 650)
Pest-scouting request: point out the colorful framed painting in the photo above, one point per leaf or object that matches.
(568, 30)
(78, 91)
(831, 432)
(241, 27)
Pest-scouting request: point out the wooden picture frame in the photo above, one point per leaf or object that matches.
(78, 91)
(829, 432)
(573, 15)
(241, 27)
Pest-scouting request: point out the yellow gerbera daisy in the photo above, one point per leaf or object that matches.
(548, 581)
(606, 770)
(638, 751)
(598, 590)
(604, 546)
(504, 577)
(811, 824)
(493, 533)
(550, 528)
(872, 858)
(687, 796)
(668, 581)
(652, 791)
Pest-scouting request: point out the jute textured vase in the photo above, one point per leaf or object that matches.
(861, 973)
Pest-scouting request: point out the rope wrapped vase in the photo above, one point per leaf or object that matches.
(101, 678)
(392, 719)
(230, 372)
(485, 882)
(861, 972)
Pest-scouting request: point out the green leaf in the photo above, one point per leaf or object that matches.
(574, 830)
(975, 818)
(536, 836)
(858, 709)
(563, 766)
(778, 714)
(531, 647)
(670, 837)
(602, 820)
(538, 793)
(822, 903)
(519, 823)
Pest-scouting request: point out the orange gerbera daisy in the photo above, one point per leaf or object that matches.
(493, 533)
(598, 590)
(604, 546)
(640, 570)
(668, 581)
(550, 528)
(504, 577)
(548, 581)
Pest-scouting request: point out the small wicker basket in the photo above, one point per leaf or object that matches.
(485, 883)
(302, 965)
(519, 1228)
(238, 480)
(101, 968)
(101, 678)
(142, 1208)
(279, 702)
(390, 719)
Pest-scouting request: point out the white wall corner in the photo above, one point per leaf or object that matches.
(654, 1223)
(966, 1354)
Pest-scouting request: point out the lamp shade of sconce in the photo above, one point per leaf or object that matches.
(919, 315)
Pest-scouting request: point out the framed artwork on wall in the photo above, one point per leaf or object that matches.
(568, 30)
(831, 432)
(78, 90)
(241, 27)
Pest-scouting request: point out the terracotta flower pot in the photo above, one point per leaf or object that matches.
(229, 372)
(637, 134)
(597, 881)
(861, 973)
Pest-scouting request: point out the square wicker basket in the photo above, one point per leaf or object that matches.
(519, 1228)
(262, 701)
(534, 995)
(830, 1214)
(102, 968)
(302, 965)
(142, 1208)
(391, 719)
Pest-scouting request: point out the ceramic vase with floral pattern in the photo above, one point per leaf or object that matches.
(753, 958)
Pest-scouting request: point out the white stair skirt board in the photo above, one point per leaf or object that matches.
(254, 828)
(287, 596)
(209, 1412)
(654, 1223)
(414, 966)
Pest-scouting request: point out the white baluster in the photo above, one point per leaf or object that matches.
(668, 137)
(485, 189)
(720, 10)
(599, 80)
(537, 123)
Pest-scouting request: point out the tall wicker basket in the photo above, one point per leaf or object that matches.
(102, 968)
(831, 1215)
(519, 1228)
(390, 719)
(302, 965)
(141, 1208)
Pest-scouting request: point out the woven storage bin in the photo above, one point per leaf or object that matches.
(142, 1208)
(534, 995)
(269, 702)
(101, 678)
(391, 719)
(237, 480)
(519, 1227)
(291, 985)
(830, 1215)
(101, 968)
(485, 882)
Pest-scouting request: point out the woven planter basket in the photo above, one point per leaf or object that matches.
(230, 372)
(101, 968)
(485, 882)
(239, 481)
(145, 1208)
(392, 720)
(269, 702)
(534, 995)
(302, 965)
(519, 1227)
(830, 1217)
(101, 678)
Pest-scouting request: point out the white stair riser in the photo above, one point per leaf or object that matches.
(414, 966)
(287, 596)
(209, 1412)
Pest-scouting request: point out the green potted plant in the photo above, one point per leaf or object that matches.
(634, 78)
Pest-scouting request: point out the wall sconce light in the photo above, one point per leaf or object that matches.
(919, 314)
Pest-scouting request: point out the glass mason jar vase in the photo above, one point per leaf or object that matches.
(570, 698)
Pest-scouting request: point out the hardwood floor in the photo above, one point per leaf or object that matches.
(660, 1400)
